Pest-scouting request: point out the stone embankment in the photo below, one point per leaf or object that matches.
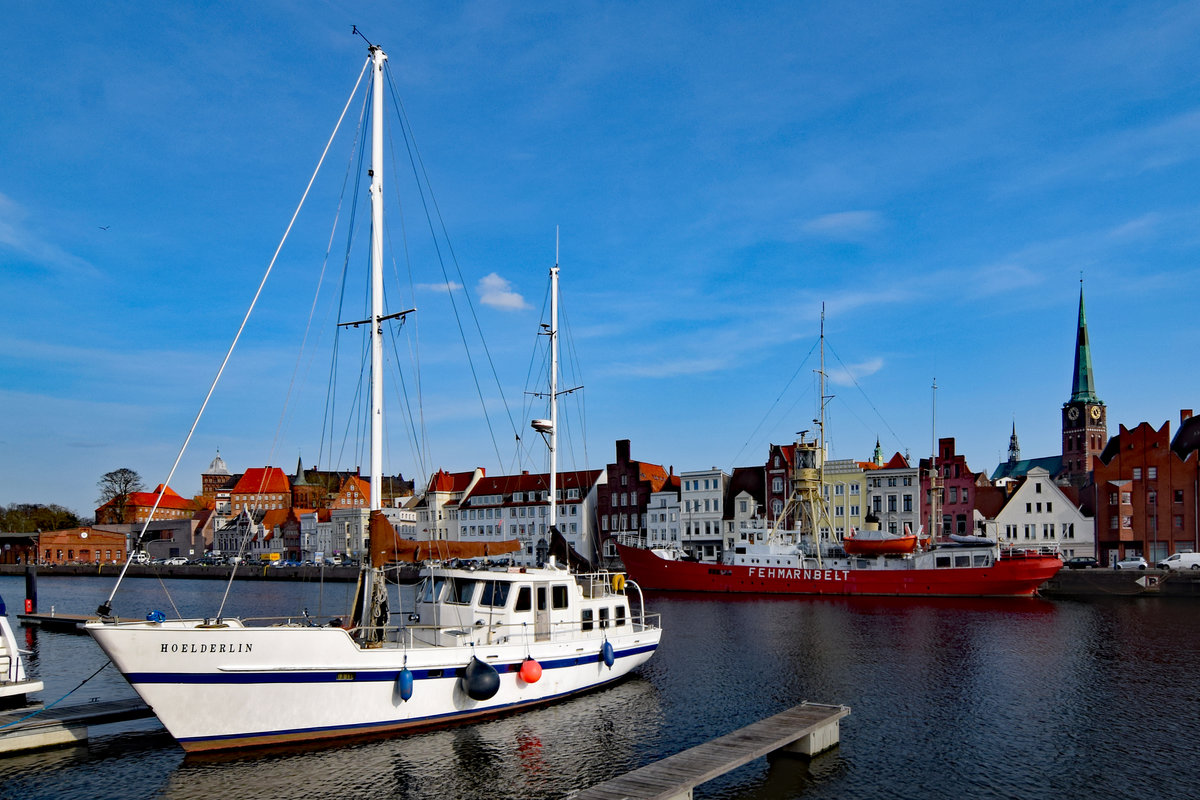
(1122, 582)
(191, 571)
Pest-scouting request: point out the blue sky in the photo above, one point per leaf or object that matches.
(939, 175)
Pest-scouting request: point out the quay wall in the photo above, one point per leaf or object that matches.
(244, 572)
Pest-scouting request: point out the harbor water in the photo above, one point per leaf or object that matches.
(950, 698)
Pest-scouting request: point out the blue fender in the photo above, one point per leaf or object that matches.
(404, 684)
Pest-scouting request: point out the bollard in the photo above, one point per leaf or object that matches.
(30, 589)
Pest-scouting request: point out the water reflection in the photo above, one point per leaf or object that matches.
(949, 698)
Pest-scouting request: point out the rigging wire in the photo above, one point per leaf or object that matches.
(106, 607)
(862, 391)
(775, 404)
(424, 188)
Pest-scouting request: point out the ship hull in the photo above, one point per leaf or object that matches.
(251, 687)
(1004, 578)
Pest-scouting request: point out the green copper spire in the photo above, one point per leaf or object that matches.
(1083, 387)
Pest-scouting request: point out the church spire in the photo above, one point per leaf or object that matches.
(1014, 448)
(1083, 387)
(877, 456)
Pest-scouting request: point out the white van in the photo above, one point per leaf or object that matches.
(1180, 561)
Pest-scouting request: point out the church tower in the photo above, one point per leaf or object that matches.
(1084, 417)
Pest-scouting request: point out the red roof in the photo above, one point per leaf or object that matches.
(508, 484)
(443, 481)
(146, 499)
(263, 480)
(897, 462)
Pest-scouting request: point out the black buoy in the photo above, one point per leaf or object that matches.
(479, 680)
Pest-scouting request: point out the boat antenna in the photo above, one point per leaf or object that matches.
(355, 31)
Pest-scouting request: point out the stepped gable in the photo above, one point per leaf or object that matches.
(354, 493)
(1187, 439)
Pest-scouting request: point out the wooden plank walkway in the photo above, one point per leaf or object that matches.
(808, 728)
(62, 725)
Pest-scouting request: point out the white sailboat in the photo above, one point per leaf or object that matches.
(481, 641)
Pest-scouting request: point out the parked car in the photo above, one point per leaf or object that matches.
(1132, 562)
(1081, 562)
(174, 561)
(140, 558)
(1180, 561)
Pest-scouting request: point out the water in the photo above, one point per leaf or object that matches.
(949, 698)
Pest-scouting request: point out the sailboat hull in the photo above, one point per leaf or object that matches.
(1004, 577)
(248, 686)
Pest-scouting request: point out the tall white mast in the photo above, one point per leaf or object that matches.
(377, 57)
(554, 387)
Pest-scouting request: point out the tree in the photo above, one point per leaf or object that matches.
(30, 517)
(115, 487)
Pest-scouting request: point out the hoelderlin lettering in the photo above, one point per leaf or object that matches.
(240, 647)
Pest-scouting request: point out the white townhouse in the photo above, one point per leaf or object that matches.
(701, 496)
(662, 519)
(1038, 513)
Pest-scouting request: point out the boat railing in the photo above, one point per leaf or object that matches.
(479, 633)
(1032, 551)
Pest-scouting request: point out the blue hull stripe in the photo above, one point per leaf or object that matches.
(361, 676)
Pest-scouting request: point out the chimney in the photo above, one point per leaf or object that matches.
(1184, 415)
(622, 450)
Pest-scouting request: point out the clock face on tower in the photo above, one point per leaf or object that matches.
(1095, 412)
(1072, 413)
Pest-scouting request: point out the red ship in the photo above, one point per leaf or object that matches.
(951, 571)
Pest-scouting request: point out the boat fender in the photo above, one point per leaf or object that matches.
(530, 671)
(404, 684)
(479, 680)
(606, 652)
(155, 616)
(618, 582)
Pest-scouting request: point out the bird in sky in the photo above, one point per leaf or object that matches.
(103, 227)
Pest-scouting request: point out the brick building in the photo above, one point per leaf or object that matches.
(81, 546)
(139, 504)
(1146, 488)
(621, 505)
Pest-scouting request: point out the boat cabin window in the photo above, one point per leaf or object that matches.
(620, 616)
(586, 625)
(461, 591)
(433, 590)
(981, 560)
(962, 561)
(559, 591)
(524, 599)
(495, 593)
(604, 612)
(942, 561)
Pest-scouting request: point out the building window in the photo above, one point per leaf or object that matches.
(1178, 497)
(1137, 473)
(908, 503)
(1151, 473)
(1177, 521)
(777, 484)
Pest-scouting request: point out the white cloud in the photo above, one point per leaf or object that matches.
(843, 225)
(497, 292)
(449, 286)
(849, 375)
(14, 235)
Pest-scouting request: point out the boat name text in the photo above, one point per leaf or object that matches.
(240, 647)
(783, 573)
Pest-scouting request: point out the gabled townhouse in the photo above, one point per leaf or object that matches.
(1034, 511)
(437, 509)
(744, 510)
(894, 495)
(956, 492)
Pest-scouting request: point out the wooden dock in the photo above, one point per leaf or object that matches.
(63, 725)
(807, 729)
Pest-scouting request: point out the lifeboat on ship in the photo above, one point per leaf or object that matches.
(873, 541)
